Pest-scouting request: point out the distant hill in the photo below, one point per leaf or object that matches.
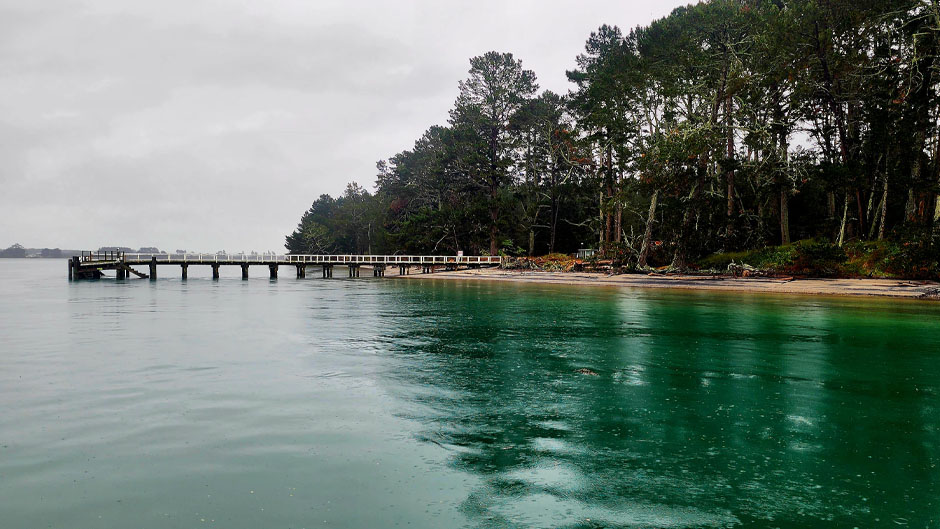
(18, 251)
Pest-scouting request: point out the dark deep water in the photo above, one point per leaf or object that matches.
(391, 403)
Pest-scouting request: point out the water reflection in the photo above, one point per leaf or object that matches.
(612, 409)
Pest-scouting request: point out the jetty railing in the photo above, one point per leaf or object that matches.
(207, 258)
(107, 255)
(270, 258)
(395, 259)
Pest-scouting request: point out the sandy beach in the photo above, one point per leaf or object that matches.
(823, 287)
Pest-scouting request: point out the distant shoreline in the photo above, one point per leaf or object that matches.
(891, 288)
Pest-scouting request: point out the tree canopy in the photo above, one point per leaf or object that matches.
(727, 125)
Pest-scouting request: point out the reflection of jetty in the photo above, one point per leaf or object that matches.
(90, 265)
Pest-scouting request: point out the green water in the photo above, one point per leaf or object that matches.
(432, 404)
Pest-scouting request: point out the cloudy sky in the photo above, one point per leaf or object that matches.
(210, 124)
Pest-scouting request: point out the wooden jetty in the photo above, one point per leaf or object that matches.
(90, 265)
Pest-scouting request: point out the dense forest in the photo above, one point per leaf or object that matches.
(728, 126)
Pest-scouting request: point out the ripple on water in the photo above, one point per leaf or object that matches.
(431, 404)
(542, 509)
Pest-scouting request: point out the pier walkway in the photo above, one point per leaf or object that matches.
(90, 265)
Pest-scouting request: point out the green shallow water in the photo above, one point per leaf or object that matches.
(429, 404)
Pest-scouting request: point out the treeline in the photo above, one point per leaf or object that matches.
(19, 251)
(728, 125)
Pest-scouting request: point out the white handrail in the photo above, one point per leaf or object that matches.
(140, 258)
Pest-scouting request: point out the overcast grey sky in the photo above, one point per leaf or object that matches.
(210, 124)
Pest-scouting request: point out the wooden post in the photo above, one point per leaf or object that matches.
(215, 271)
(153, 268)
(245, 271)
(71, 275)
(273, 269)
(185, 270)
(301, 271)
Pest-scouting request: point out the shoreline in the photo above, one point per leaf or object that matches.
(884, 288)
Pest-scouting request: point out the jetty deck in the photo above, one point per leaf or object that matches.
(90, 265)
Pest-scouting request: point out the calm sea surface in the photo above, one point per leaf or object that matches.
(433, 404)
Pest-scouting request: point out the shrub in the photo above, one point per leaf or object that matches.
(816, 259)
(812, 258)
(891, 259)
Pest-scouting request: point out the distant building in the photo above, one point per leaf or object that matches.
(124, 249)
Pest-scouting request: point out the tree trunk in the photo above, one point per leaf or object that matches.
(618, 207)
(936, 180)
(783, 142)
(494, 218)
(494, 190)
(648, 234)
(609, 188)
(936, 214)
(784, 217)
(608, 227)
(531, 242)
(554, 228)
(861, 213)
(554, 210)
(831, 207)
(884, 210)
(845, 217)
(910, 206)
(618, 223)
(729, 131)
(679, 258)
